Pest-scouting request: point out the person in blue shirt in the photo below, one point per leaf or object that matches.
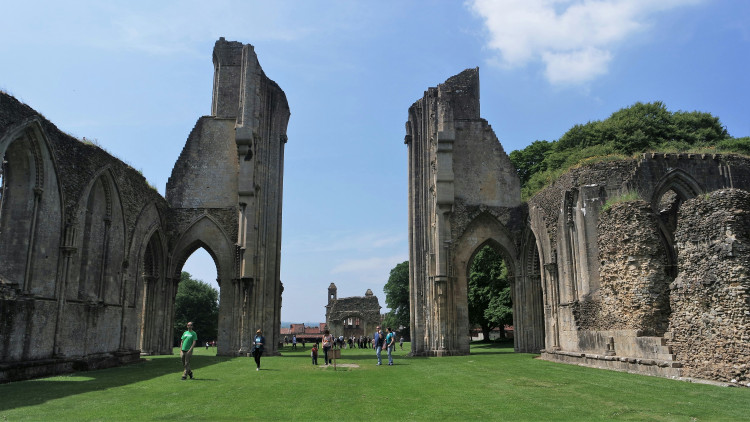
(390, 344)
(258, 343)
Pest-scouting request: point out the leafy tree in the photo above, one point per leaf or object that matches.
(490, 304)
(397, 298)
(530, 160)
(639, 128)
(198, 302)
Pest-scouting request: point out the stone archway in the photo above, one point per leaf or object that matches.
(205, 232)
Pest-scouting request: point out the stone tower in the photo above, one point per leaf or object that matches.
(331, 298)
(225, 195)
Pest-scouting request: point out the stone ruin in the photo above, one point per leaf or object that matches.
(352, 316)
(90, 255)
(655, 286)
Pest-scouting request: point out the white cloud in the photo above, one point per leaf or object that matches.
(573, 39)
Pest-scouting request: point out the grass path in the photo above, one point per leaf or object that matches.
(493, 383)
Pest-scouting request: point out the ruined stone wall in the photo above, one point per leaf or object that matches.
(619, 311)
(71, 222)
(634, 289)
(710, 299)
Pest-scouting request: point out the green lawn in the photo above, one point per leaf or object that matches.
(493, 383)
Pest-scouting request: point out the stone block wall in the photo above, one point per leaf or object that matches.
(710, 299)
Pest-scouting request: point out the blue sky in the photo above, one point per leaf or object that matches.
(136, 76)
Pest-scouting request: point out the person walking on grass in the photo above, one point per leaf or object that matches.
(189, 339)
(401, 343)
(378, 341)
(258, 343)
(314, 354)
(390, 344)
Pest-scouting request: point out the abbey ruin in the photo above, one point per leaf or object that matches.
(90, 254)
(655, 286)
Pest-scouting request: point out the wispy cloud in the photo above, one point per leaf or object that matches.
(165, 28)
(575, 40)
(344, 241)
(372, 264)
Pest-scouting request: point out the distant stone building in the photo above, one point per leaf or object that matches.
(352, 316)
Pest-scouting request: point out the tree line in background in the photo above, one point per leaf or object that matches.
(198, 302)
(642, 127)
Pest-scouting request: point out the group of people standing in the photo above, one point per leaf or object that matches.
(379, 341)
(388, 342)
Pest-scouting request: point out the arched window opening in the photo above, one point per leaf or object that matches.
(94, 242)
(197, 298)
(489, 295)
(17, 205)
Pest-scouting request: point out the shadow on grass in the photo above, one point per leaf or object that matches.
(27, 393)
(502, 347)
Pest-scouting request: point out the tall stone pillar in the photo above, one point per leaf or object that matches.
(240, 196)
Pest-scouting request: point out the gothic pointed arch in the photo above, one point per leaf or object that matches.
(204, 231)
(101, 244)
(679, 181)
(528, 306)
(30, 216)
(483, 230)
(154, 295)
(673, 189)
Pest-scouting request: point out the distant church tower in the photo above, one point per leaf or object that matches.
(331, 299)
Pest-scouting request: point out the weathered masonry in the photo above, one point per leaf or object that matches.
(90, 254)
(463, 194)
(225, 195)
(658, 285)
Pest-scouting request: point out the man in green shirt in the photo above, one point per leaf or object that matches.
(189, 339)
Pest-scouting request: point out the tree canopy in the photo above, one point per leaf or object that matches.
(397, 298)
(198, 302)
(490, 304)
(639, 128)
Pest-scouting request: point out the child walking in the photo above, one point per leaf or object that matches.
(314, 354)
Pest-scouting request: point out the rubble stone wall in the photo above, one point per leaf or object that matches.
(710, 298)
(634, 290)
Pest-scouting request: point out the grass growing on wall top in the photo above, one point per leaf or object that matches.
(492, 383)
(625, 197)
